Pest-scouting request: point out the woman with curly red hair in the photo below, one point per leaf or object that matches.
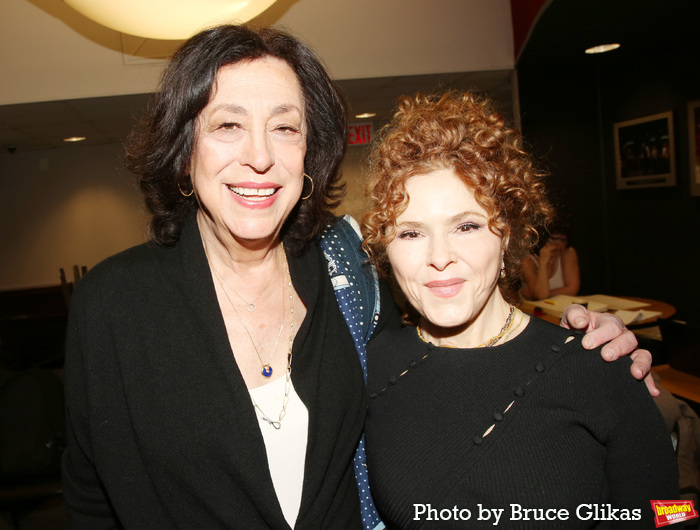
(479, 404)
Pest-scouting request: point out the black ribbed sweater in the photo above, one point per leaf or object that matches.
(566, 428)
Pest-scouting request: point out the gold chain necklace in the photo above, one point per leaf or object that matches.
(516, 324)
(493, 340)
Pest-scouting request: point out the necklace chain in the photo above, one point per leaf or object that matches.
(493, 340)
(277, 424)
(516, 324)
(266, 370)
(250, 306)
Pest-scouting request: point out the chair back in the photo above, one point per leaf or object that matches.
(681, 345)
(32, 424)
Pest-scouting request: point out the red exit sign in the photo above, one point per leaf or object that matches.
(359, 133)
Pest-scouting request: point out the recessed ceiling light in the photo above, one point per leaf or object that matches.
(74, 139)
(602, 48)
(365, 115)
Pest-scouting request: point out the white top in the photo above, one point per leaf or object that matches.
(557, 279)
(286, 446)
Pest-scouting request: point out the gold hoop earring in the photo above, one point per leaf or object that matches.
(185, 194)
(312, 187)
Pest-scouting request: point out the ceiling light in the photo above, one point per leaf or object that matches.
(602, 48)
(365, 115)
(168, 19)
(74, 139)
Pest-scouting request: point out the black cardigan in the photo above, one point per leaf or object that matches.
(161, 430)
(536, 421)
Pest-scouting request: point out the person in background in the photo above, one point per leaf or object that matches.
(211, 380)
(554, 270)
(478, 404)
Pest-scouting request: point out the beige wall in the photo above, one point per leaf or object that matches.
(354, 175)
(64, 207)
(77, 206)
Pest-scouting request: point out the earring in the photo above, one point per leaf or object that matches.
(312, 187)
(503, 269)
(185, 194)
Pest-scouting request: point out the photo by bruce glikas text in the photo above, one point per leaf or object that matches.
(516, 512)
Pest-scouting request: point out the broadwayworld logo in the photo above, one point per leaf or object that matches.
(672, 512)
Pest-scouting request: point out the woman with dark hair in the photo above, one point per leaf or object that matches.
(478, 412)
(211, 379)
(552, 268)
(163, 145)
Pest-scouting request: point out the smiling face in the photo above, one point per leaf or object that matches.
(446, 259)
(248, 160)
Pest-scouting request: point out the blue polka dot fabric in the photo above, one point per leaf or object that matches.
(357, 292)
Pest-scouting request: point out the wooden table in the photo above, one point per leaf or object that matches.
(543, 316)
(666, 310)
(679, 383)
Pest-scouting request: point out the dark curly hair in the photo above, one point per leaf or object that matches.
(464, 134)
(159, 149)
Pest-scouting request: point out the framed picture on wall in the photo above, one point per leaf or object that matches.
(644, 152)
(694, 146)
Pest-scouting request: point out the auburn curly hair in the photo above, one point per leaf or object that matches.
(462, 133)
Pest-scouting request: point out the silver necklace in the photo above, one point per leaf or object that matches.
(250, 306)
(265, 367)
(277, 424)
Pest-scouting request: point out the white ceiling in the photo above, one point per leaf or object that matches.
(51, 52)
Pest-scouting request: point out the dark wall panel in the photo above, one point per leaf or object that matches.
(641, 242)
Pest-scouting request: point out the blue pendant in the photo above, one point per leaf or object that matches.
(267, 371)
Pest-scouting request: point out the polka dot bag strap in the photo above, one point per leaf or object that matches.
(356, 288)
